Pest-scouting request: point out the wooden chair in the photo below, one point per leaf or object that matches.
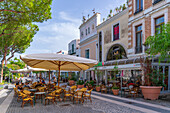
(26, 99)
(87, 95)
(15, 92)
(103, 88)
(50, 97)
(67, 94)
(27, 92)
(134, 92)
(58, 94)
(78, 96)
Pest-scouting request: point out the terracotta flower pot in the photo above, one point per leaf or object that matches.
(98, 89)
(115, 91)
(151, 92)
(89, 87)
(80, 86)
(71, 82)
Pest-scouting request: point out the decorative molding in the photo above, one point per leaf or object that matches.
(88, 43)
(108, 21)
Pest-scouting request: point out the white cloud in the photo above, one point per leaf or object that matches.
(55, 36)
(63, 15)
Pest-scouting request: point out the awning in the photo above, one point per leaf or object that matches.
(135, 66)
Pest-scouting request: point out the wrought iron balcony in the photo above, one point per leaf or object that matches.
(156, 1)
(138, 49)
(138, 10)
(71, 52)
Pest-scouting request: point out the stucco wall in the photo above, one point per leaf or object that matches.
(91, 45)
(107, 32)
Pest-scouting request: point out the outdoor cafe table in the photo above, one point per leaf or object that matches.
(32, 90)
(39, 93)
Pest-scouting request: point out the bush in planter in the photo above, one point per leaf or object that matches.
(153, 81)
(115, 90)
(80, 84)
(90, 84)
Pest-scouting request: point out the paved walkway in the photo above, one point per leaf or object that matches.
(137, 105)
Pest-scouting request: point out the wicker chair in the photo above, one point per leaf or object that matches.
(103, 88)
(26, 99)
(87, 95)
(78, 96)
(50, 97)
(67, 94)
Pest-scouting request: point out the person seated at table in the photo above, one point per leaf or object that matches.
(43, 81)
(26, 85)
(38, 84)
(55, 80)
(20, 87)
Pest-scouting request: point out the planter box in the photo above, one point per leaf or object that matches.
(115, 91)
(89, 88)
(98, 89)
(71, 82)
(151, 92)
(80, 86)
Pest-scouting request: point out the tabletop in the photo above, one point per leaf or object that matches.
(39, 93)
(32, 89)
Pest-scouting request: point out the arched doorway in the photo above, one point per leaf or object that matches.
(116, 52)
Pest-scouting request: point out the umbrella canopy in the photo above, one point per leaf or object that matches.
(36, 69)
(25, 70)
(54, 61)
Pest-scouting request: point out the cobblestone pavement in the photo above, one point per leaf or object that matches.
(97, 106)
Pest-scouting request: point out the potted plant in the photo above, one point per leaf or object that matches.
(98, 88)
(80, 84)
(90, 85)
(115, 90)
(153, 81)
(72, 79)
(98, 73)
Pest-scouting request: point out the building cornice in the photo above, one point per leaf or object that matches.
(88, 20)
(113, 18)
(132, 19)
(88, 39)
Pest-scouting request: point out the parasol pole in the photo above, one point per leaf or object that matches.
(49, 76)
(40, 77)
(59, 73)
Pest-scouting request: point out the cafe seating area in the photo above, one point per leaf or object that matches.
(50, 94)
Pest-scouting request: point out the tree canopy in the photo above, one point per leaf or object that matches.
(16, 25)
(160, 43)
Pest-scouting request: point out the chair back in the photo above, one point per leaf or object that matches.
(27, 92)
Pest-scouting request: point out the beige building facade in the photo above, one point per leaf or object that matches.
(107, 39)
(88, 37)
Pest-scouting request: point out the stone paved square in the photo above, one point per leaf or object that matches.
(97, 106)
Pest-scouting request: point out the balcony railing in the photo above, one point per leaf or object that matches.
(70, 52)
(156, 1)
(138, 10)
(138, 49)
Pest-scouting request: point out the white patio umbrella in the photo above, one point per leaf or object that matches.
(54, 61)
(25, 70)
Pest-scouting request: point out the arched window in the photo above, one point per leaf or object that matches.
(116, 52)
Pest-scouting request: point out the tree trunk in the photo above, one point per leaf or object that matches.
(2, 70)
(2, 63)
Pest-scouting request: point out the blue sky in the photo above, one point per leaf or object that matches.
(56, 33)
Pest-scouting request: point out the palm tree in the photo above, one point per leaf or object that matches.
(123, 7)
(120, 8)
(117, 9)
(110, 11)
